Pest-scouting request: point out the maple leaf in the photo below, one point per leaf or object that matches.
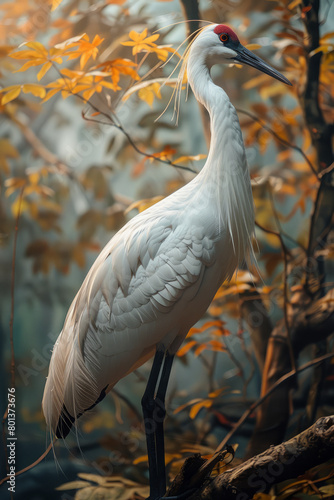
(85, 49)
(140, 43)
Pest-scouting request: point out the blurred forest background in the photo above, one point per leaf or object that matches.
(81, 153)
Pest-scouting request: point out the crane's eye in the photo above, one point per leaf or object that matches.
(224, 37)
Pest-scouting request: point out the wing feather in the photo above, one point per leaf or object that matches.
(122, 310)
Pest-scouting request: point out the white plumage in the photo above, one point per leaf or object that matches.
(158, 274)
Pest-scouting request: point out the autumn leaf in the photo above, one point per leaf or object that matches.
(13, 184)
(38, 55)
(85, 49)
(13, 91)
(142, 205)
(118, 67)
(148, 93)
(19, 206)
(253, 46)
(55, 4)
(162, 51)
(189, 158)
(206, 326)
(164, 155)
(7, 150)
(294, 4)
(206, 403)
(140, 41)
(186, 348)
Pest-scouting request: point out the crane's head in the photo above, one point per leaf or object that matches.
(221, 45)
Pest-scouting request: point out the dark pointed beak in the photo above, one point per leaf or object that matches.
(245, 56)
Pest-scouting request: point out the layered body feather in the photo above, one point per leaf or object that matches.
(158, 274)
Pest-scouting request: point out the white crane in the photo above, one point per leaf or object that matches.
(157, 276)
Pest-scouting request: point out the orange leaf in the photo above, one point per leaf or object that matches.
(222, 419)
(139, 167)
(197, 407)
(186, 348)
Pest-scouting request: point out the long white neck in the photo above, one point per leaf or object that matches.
(225, 171)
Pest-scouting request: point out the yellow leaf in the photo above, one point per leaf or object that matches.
(34, 89)
(142, 205)
(44, 69)
(50, 94)
(272, 90)
(182, 407)
(198, 406)
(7, 149)
(37, 46)
(141, 459)
(20, 205)
(294, 4)
(216, 393)
(184, 159)
(327, 36)
(55, 4)
(14, 183)
(253, 46)
(11, 95)
(254, 82)
(148, 93)
(29, 64)
(34, 178)
(88, 94)
(140, 43)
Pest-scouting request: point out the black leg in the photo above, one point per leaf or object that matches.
(154, 414)
(148, 406)
(160, 417)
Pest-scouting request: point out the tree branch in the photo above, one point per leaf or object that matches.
(285, 461)
(320, 130)
(192, 15)
(288, 460)
(313, 322)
